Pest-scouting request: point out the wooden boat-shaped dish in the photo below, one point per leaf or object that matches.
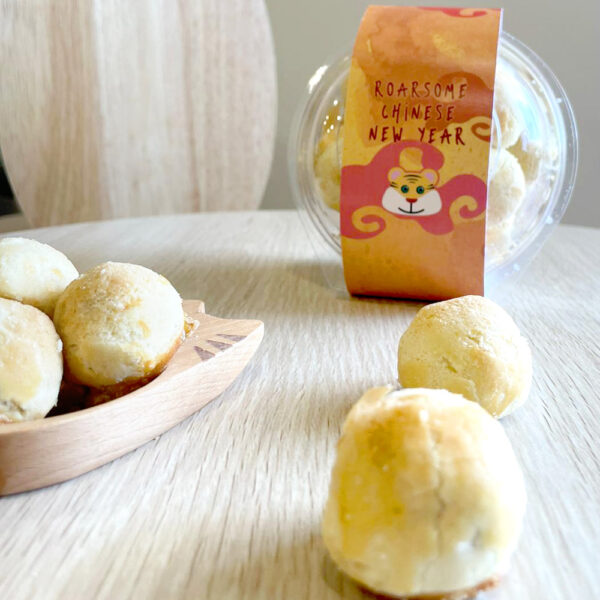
(38, 453)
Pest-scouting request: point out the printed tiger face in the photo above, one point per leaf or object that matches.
(412, 193)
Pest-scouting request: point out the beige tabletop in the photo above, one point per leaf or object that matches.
(228, 503)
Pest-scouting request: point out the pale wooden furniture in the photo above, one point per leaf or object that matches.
(117, 109)
(227, 505)
(14, 222)
(51, 450)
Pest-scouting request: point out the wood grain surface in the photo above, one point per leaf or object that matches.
(227, 505)
(38, 453)
(115, 109)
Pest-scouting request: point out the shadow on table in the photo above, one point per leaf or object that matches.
(293, 568)
(245, 283)
(275, 287)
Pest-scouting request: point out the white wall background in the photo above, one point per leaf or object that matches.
(566, 34)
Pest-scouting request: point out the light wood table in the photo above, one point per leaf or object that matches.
(228, 503)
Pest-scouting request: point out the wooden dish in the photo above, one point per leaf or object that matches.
(38, 453)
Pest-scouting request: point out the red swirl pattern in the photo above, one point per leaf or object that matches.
(478, 128)
(364, 185)
(458, 12)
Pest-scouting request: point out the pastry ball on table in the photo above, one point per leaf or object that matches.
(470, 346)
(33, 273)
(426, 495)
(31, 363)
(120, 324)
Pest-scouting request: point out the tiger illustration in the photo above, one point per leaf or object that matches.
(374, 191)
(412, 193)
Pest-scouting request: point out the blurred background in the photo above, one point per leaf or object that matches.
(566, 35)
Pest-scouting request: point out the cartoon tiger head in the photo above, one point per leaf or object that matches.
(412, 193)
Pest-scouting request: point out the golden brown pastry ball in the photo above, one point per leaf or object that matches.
(120, 324)
(530, 155)
(470, 346)
(506, 111)
(506, 190)
(31, 364)
(328, 167)
(499, 241)
(426, 495)
(33, 273)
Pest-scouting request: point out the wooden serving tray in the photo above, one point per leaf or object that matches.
(38, 453)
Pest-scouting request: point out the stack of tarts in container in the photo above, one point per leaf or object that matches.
(517, 163)
(533, 157)
(78, 340)
(426, 497)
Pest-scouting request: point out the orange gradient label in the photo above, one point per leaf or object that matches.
(417, 128)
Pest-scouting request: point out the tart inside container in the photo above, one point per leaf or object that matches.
(533, 159)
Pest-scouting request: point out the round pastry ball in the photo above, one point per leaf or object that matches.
(33, 273)
(506, 189)
(120, 324)
(328, 168)
(470, 346)
(530, 155)
(505, 108)
(499, 241)
(426, 495)
(31, 363)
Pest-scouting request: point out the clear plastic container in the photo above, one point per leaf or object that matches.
(534, 155)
